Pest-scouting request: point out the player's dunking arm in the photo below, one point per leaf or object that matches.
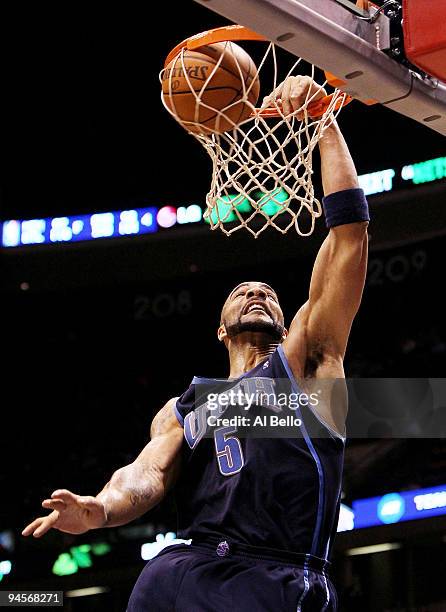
(319, 332)
(339, 271)
(132, 490)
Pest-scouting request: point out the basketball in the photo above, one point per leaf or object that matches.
(198, 84)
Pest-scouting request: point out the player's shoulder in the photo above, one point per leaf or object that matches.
(185, 403)
(164, 417)
(170, 402)
(168, 406)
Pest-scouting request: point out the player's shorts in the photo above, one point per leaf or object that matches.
(220, 577)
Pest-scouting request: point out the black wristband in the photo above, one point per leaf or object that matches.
(348, 206)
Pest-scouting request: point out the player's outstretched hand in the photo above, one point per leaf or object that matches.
(294, 93)
(71, 513)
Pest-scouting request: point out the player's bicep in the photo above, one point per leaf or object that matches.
(336, 287)
(165, 421)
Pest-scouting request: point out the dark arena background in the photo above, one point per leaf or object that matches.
(98, 334)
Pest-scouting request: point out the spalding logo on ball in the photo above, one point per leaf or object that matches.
(212, 89)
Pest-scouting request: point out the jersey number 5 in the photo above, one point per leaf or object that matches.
(229, 451)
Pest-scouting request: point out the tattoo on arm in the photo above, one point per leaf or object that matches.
(135, 498)
(159, 423)
(149, 491)
(139, 486)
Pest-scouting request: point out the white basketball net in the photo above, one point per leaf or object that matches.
(262, 168)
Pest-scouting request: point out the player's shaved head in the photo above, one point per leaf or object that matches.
(267, 318)
(246, 283)
(243, 285)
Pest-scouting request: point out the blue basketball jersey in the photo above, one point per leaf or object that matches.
(280, 492)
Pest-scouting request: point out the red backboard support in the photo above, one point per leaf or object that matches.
(424, 24)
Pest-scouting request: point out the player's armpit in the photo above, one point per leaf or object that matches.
(318, 373)
(141, 485)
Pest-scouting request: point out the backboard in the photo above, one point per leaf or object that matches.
(353, 42)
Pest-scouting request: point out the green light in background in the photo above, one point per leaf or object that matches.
(65, 565)
(79, 557)
(100, 548)
(425, 172)
(225, 206)
(81, 554)
(5, 568)
(377, 182)
(270, 202)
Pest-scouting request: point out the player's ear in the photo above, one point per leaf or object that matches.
(284, 333)
(221, 332)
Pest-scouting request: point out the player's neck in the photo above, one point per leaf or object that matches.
(246, 353)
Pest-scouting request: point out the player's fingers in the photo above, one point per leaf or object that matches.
(46, 524)
(54, 504)
(36, 524)
(315, 93)
(277, 92)
(274, 95)
(65, 496)
(297, 94)
(30, 528)
(286, 104)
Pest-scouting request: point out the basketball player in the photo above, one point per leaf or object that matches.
(261, 512)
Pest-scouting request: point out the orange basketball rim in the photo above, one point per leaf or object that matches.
(236, 33)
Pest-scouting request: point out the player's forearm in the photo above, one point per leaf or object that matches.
(130, 494)
(337, 167)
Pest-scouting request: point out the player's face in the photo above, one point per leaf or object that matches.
(253, 307)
